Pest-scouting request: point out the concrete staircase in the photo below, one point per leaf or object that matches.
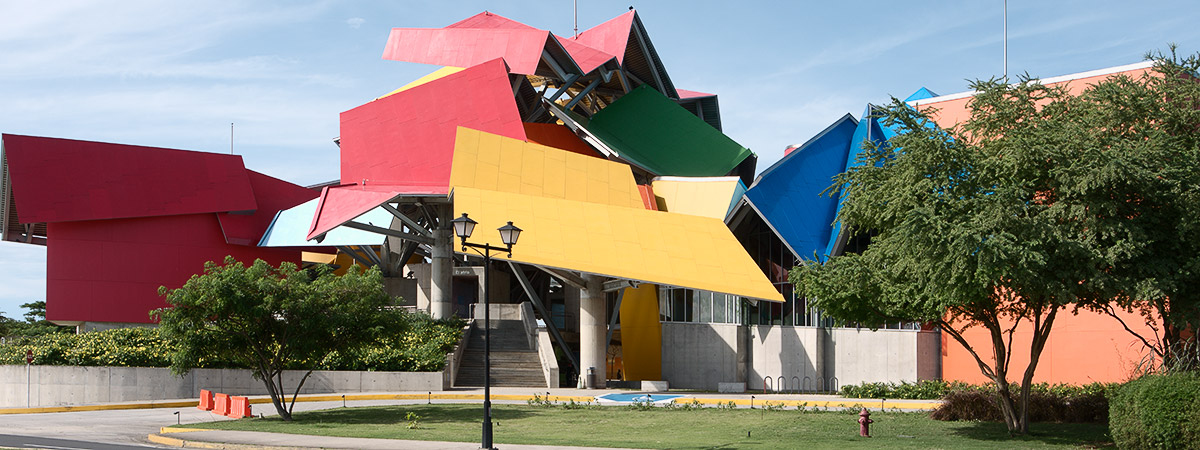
(514, 363)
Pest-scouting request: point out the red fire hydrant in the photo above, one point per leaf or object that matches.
(864, 423)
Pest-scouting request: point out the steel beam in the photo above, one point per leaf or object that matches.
(575, 281)
(613, 285)
(612, 322)
(389, 232)
(412, 224)
(546, 314)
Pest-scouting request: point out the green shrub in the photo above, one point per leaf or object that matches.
(1157, 411)
(1059, 403)
(420, 346)
(921, 390)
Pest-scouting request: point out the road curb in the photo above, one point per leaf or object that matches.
(184, 443)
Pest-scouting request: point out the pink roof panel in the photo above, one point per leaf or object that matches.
(686, 94)
(610, 37)
(341, 204)
(272, 195)
(466, 47)
(586, 57)
(408, 138)
(490, 20)
(58, 180)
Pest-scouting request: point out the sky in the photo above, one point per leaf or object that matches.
(177, 74)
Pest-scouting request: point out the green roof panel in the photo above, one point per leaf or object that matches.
(651, 131)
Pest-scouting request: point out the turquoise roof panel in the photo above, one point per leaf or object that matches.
(290, 227)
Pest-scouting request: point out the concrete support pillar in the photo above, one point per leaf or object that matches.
(593, 327)
(441, 299)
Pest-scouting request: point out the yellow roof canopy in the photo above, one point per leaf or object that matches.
(493, 162)
(698, 196)
(442, 72)
(616, 241)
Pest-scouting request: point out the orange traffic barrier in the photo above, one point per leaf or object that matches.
(221, 405)
(206, 400)
(240, 407)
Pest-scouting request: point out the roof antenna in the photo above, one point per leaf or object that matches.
(576, 4)
(230, 138)
(1006, 40)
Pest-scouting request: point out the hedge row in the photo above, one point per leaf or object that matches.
(422, 347)
(934, 389)
(1157, 411)
(1074, 404)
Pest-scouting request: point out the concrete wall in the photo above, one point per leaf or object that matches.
(796, 354)
(860, 355)
(75, 385)
(700, 355)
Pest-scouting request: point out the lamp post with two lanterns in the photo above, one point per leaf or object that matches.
(463, 226)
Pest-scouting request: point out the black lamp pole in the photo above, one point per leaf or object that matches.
(463, 226)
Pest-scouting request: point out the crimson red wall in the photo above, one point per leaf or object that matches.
(110, 270)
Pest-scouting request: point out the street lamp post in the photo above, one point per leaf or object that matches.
(463, 226)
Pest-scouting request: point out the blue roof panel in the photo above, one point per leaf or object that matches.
(789, 197)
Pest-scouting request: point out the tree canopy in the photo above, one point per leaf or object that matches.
(971, 227)
(271, 319)
(1140, 180)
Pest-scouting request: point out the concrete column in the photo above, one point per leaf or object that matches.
(592, 329)
(441, 299)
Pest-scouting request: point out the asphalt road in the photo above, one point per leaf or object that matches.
(13, 441)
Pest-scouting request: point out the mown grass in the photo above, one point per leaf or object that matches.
(661, 428)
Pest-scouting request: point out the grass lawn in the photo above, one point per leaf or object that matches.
(616, 426)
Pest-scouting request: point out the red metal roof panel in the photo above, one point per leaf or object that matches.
(408, 138)
(586, 57)
(272, 195)
(490, 20)
(610, 37)
(648, 199)
(686, 94)
(560, 137)
(466, 47)
(341, 204)
(58, 180)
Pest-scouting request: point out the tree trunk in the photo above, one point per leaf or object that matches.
(276, 393)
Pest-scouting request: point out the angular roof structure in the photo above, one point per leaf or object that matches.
(712, 197)
(788, 195)
(560, 137)
(408, 138)
(496, 163)
(290, 228)
(272, 195)
(653, 132)
(625, 38)
(521, 49)
(629, 243)
(59, 180)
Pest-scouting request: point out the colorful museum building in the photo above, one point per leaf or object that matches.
(650, 250)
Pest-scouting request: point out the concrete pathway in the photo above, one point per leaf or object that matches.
(133, 423)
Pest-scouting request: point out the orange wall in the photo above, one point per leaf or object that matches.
(955, 111)
(1084, 348)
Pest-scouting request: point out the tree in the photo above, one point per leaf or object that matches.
(971, 229)
(36, 311)
(271, 319)
(1143, 168)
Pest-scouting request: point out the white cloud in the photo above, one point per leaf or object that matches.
(355, 22)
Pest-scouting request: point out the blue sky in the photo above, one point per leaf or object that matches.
(176, 74)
